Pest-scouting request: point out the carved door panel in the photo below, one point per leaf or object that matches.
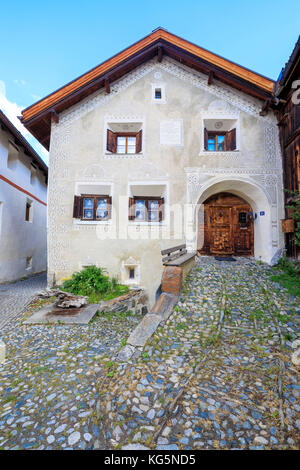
(243, 230)
(220, 230)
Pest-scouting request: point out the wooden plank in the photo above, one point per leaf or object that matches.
(175, 256)
(175, 248)
(181, 260)
(107, 85)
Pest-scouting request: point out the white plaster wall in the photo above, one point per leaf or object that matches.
(77, 154)
(20, 239)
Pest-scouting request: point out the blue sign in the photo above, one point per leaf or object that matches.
(262, 213)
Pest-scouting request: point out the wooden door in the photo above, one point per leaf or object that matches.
(220, 230)
(228, 226)
(242, 230)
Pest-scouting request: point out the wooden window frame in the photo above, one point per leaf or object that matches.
(112, 141)
(215, 135)
(95, 197)
(147, 212)
(230, 140)
(126, 135)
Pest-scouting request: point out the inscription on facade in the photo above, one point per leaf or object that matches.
(171, 133)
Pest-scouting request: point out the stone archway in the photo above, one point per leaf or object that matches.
(267, 239)
(227, 226)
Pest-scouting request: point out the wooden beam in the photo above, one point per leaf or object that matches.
(160, 53)
(265, 107)
(54, 116)
(107, 85)
(210, 77)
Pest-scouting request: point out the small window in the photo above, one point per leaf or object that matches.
(131, 273)
(146, 209)
(242, 217)
(216, 142)
(28, 212)
(220, 141)
(157, 93)
(124, 143)
(92, 207)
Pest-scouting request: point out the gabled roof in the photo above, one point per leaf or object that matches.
(37, 118)
(7, 125)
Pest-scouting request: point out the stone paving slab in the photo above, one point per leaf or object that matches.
(44, 315)
(144, 330)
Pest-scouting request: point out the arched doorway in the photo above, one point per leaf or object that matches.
(227, 226)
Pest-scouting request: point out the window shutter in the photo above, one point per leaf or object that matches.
(111, 144)
(161, 209)
(109, 207)
(205, 139)
(231, 140)
(77, 212)
(139, 136)
(131, 215)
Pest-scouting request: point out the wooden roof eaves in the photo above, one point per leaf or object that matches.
(204, 66)
(162, 34)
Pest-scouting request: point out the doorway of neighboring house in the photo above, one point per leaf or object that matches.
(228, 226)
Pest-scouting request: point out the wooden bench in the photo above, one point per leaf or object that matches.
(176, 256)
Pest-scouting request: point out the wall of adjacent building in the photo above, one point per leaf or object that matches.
(23, 244)
(172, 157)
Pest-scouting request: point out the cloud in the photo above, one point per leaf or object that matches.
(12, 111)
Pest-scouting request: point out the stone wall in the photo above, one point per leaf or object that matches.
(136, 301)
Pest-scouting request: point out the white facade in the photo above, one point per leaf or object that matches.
(172, 164)
(23, 248)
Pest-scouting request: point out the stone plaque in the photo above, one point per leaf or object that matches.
(171, 132)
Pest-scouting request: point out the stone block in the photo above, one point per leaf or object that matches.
(172, 280)
(144, 330)
(164, 306)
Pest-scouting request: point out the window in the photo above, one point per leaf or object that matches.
(131, 273)
(124, 142)
(92, 207)
(220, 141)
(242, 217)
(28, 211)
(216, 142)
(146, 209)
(157, 94)
(220, 134)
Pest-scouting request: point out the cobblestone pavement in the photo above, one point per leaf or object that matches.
(218, 374)
(14, 296)
(48, 396)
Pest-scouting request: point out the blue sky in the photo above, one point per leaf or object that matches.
(48, 43)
